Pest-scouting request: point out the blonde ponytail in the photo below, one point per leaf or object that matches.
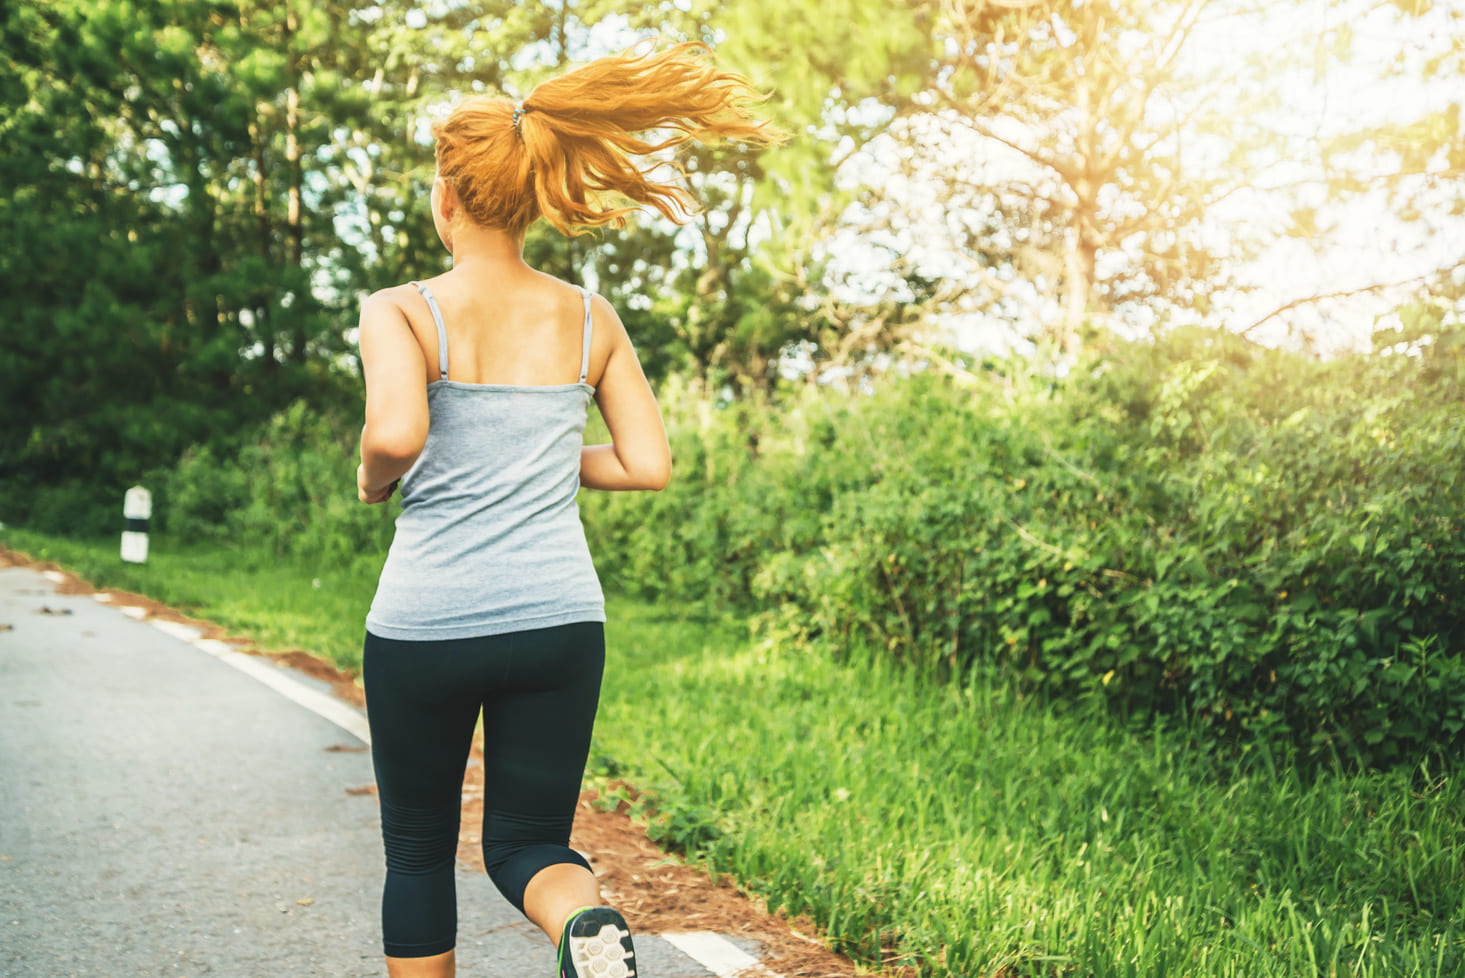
(576, 142)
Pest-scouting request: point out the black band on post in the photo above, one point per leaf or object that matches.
(137, 526)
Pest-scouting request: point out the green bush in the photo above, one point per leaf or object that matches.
(749, 480)
(291, 487)
(1197, 525)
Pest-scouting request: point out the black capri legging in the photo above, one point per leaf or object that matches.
(538, 691)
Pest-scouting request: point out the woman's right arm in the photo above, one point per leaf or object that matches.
(638, 456)
(396, 398)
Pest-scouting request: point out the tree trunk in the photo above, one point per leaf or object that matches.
(263, 233)
(1080, 245)
(1080, 255)
(294, 232)
(571, 271)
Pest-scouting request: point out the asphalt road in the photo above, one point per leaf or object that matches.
(162, 813)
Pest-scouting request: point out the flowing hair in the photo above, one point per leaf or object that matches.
(573, 146)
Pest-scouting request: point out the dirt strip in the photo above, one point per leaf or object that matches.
(658, 892)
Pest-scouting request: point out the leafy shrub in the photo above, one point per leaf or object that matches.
(1269, 543)
(290, 489)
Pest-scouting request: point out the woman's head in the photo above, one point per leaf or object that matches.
(571, 155)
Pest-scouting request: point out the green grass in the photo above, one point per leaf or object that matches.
(966, 830)
(961, 829)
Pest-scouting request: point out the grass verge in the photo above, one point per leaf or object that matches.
(965, 830)
(958, 830)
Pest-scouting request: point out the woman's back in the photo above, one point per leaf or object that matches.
(489, 539)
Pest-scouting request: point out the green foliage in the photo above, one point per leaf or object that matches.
(289, 490)
(1267, 544)
(195, 194)
(1198, 527)
(160, 299)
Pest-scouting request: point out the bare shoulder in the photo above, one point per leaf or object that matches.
(388, 308)
(385, 323)
(608, 335)
(396, 296)
(605, 317)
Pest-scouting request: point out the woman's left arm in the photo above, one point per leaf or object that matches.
(396, 398)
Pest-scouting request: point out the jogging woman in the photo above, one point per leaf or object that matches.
(478, 384)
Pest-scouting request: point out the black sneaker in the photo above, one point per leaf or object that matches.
(597, 944)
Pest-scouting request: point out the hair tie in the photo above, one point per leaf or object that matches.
(519, 112)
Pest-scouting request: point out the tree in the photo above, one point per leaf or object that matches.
(1076, 155)
(723, 298)
(167, 299)
(115, 350)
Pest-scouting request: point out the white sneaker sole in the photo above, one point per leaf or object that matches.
(603, 952)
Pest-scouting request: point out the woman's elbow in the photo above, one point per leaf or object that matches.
(654, 476)
(401, 445)
(659, 478)
(644, 466)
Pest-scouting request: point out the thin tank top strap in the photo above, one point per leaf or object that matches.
(442, 330)
(585, 351)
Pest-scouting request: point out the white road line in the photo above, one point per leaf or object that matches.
(177, 629)
(55, 577)
(133, 611)
(718, 955)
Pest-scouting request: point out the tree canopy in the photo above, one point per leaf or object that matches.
(195, 194)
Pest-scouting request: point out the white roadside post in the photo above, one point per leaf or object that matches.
(137, 506)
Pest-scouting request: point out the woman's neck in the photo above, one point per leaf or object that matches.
(487, 248)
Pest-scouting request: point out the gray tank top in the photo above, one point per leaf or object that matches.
(489, 539)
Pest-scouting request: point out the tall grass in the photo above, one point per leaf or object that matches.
(966, 830)
(959, 828)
